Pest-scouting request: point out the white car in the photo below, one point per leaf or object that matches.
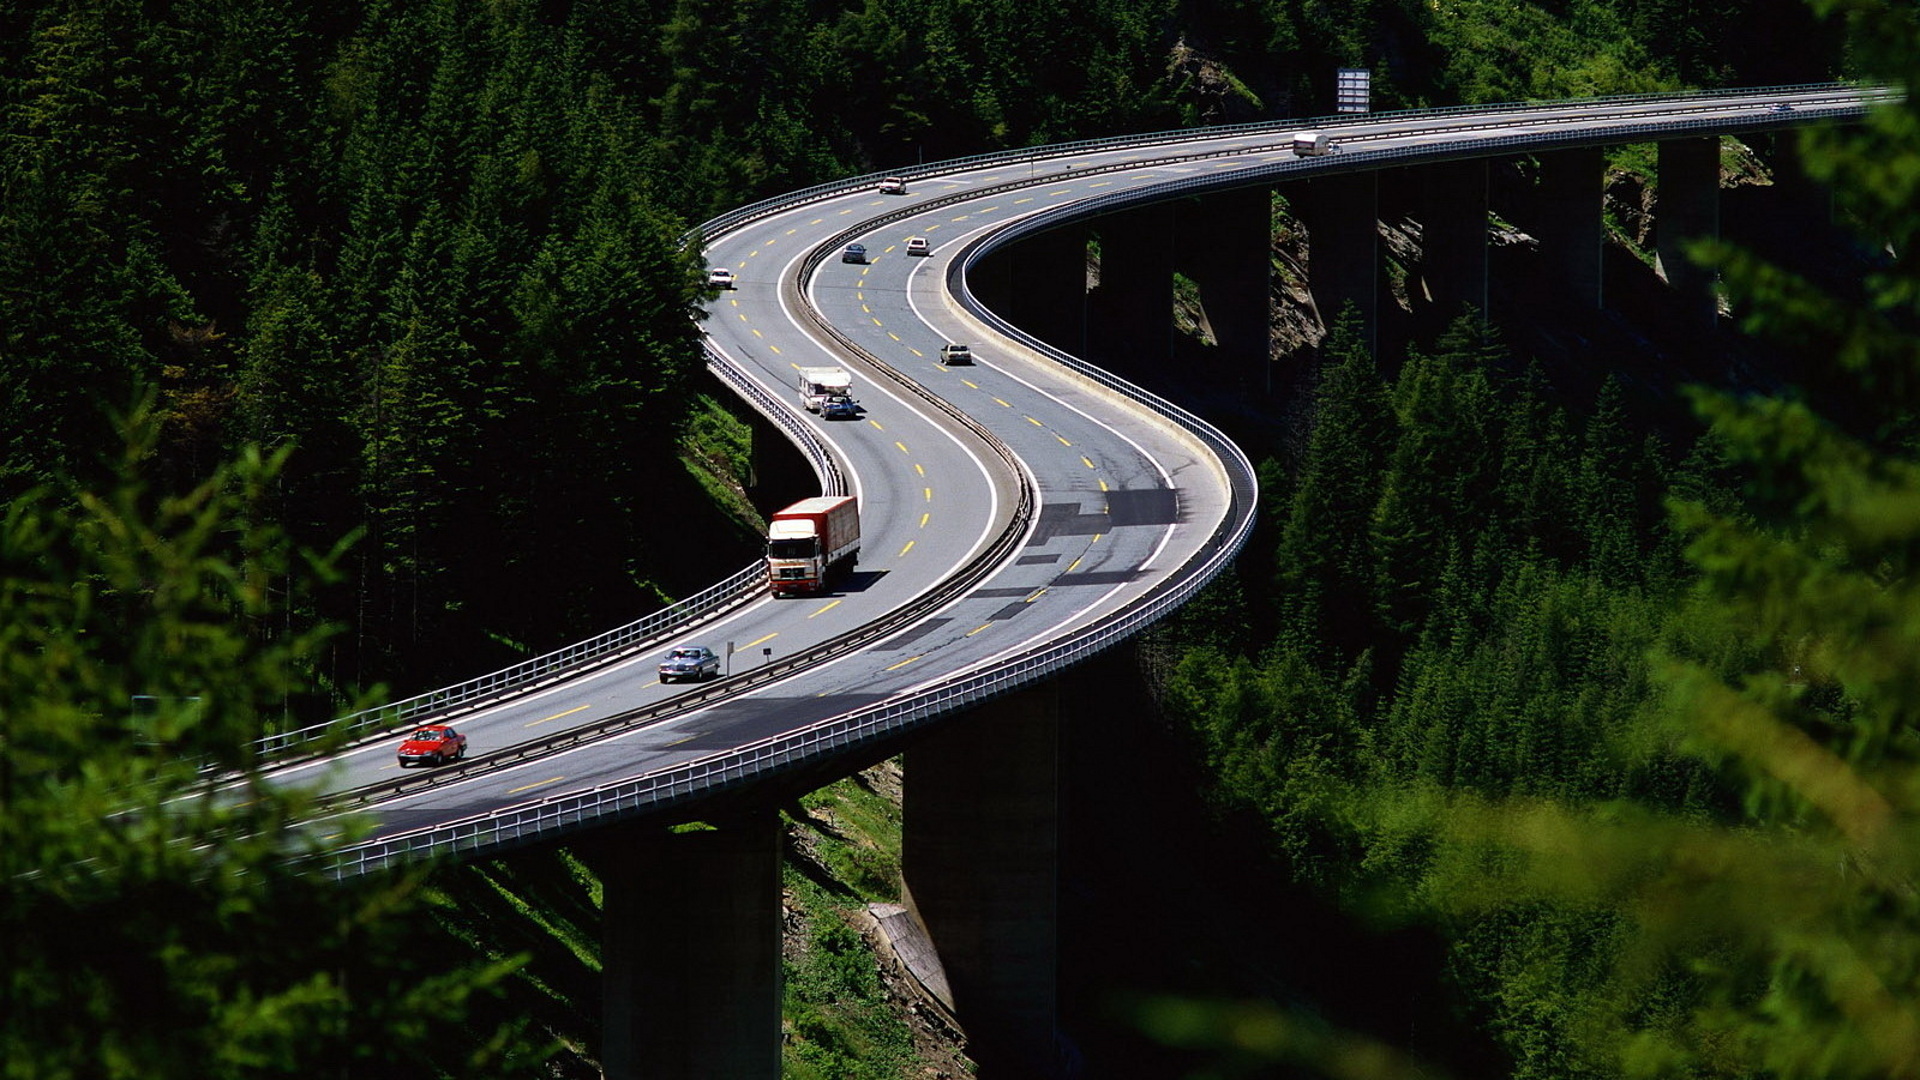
(893, 185)
(917, 245)
(720, 278)
(955, 354)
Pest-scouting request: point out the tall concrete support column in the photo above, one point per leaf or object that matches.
(991, 281)
(1807, 195)
(778, 473)
(1134, 303)
(1687, 208)
(1453, 236)
(690, 951)
(1226, 248)
(980, 862)
(1571, 228)
(1048, 294)
(1343, 259)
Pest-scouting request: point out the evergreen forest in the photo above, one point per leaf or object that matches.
(352, 349)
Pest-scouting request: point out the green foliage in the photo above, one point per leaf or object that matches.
(838, 1019)
(1661, 809)
(163, 915)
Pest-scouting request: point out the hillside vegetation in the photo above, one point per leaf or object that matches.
(1603, 706)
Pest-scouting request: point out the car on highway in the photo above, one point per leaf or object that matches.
(917, 245)
(695, 662)
(720, 278)
(839, 407)
(955, 354)
(854, 253)
(893, 185)
(432, 744)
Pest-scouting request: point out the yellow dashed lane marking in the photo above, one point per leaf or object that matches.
(530, 787)
(1063, 440)
(924, 519)
(829, 606)
(918, 468)
(977, 629)
(902, 446)
(903, 663)
(906, 549)
(1088, 460)
(557, 716)
(751, 644)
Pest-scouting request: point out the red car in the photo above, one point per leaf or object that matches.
(434, 744)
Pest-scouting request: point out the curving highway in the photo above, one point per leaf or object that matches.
(1018, 514)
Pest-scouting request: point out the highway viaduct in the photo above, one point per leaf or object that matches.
(691, 941)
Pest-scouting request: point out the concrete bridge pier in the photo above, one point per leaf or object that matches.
(690, 951)
(1341, 215)
(1048, 293)
(777, 473)
(1453, 223)
(980, 861)
(1570, 224)
(1132, 307)
(1226, 250)
(1687, 208)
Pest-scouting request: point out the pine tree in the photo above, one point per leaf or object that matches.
(166, 914)
(1768, 929)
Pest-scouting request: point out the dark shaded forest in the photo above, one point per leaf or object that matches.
(1595, 702)
(441, 249)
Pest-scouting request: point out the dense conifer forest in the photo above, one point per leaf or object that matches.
(378, 323)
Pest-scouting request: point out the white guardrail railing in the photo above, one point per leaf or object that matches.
(688, 782)
(641, 635)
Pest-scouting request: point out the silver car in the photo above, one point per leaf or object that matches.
(694, 662)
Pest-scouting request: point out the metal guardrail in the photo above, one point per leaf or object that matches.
(1020, 155)
(642, 634)
(719, 772)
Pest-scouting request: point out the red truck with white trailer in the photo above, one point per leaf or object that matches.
(807, 541)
